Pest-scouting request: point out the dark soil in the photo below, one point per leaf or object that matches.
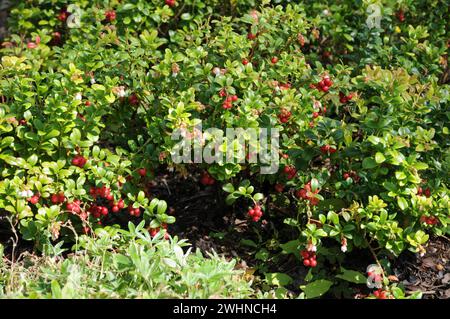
(429, 273)
(4, 7)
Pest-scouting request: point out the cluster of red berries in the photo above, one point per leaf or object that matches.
(284, 115)
(400, 15)
(255, 213)
(351, 174)
(327, 149)
(136, 212)
(34, 199)
(324, 84)
(79, 161)
(290, 171)
(381, 294)
(228, 102)
(133, 99)
(251, 36)
(426, 192)
(207, 179)
(309, 258)
(345, 98)
(97, 210)
(171, 3)
(154, 231)
(110, 15)
(63, 15)
(431, 220)
(74, 207)
(285, 86)
(307, 193)
(104, 193)
(58, 198)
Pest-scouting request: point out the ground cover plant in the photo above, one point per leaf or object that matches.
(92, 94)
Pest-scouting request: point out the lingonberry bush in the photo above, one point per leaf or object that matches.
(92, 92)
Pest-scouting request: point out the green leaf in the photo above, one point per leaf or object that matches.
(379, 158)
(402, 203)
(291, 247)
(352, 276)
(316, 288)
(278, 279)
(162, 206)
(258, 196)
(229, 188)
(314, 184)
(249, 242)
(400, 175)
(75, 136)
(369, 163)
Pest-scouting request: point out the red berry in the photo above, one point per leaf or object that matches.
(171, 3)
(87, 103)
(226, 105)
(274, 60)
(251, 36)
(315, 115)
(69, 206)
(279, 188)
(313, 263)
(104, 211)
(142, 172)
(244, 61)
(76, 161)
(306, 262)
(343, 99)
(346, 176)
(301, 193)
(61, 197)
(427, 192)
(110, 15)
(305, 254)
(62, 16)
(222, 93)
(54, 199)
(115, 209)
(120, 204)
(133, 99)
(325, 88)
(234, 98)
(137, 212)
(327, 82)
(34, 200)
(324, 149)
